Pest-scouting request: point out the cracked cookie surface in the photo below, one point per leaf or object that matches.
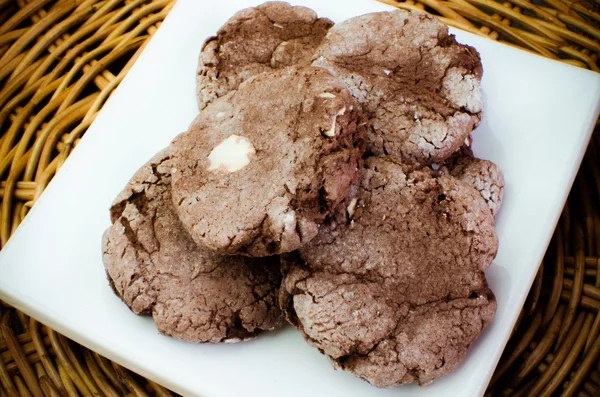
(484, 176)
(393, 290)
(156, 269)
(260, 168)
(419, 88)
(256, 40)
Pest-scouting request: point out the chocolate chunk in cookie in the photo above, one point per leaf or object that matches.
(260, 168)
(420, 89)
(396, 293)
(156, 269)
(256, 40)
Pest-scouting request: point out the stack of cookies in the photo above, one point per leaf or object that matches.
(327, 181)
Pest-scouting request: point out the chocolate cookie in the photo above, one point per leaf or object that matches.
(261, 167)
(395, 292)
(420, 89)
(156, 269)
(256, 40)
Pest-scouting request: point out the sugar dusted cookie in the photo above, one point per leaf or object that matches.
(156, 269)
(393, 291)
(261, 167)
(256, 40)
(420, 89)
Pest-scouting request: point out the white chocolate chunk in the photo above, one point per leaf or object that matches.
(352, 207)
(231, 155)
(278, 25)
(331, 132)
(289, 222)
(326, 95)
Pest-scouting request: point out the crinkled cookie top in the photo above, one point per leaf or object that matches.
(420, 89)
(261, 167)
(256, 40)
(156, 269)
(395, 292)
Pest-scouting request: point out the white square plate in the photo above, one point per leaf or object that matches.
(538, 118)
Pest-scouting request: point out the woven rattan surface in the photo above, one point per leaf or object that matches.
(61, 59)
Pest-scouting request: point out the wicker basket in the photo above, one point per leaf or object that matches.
(61, 59)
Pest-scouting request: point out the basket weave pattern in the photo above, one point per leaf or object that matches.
(61, 59)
